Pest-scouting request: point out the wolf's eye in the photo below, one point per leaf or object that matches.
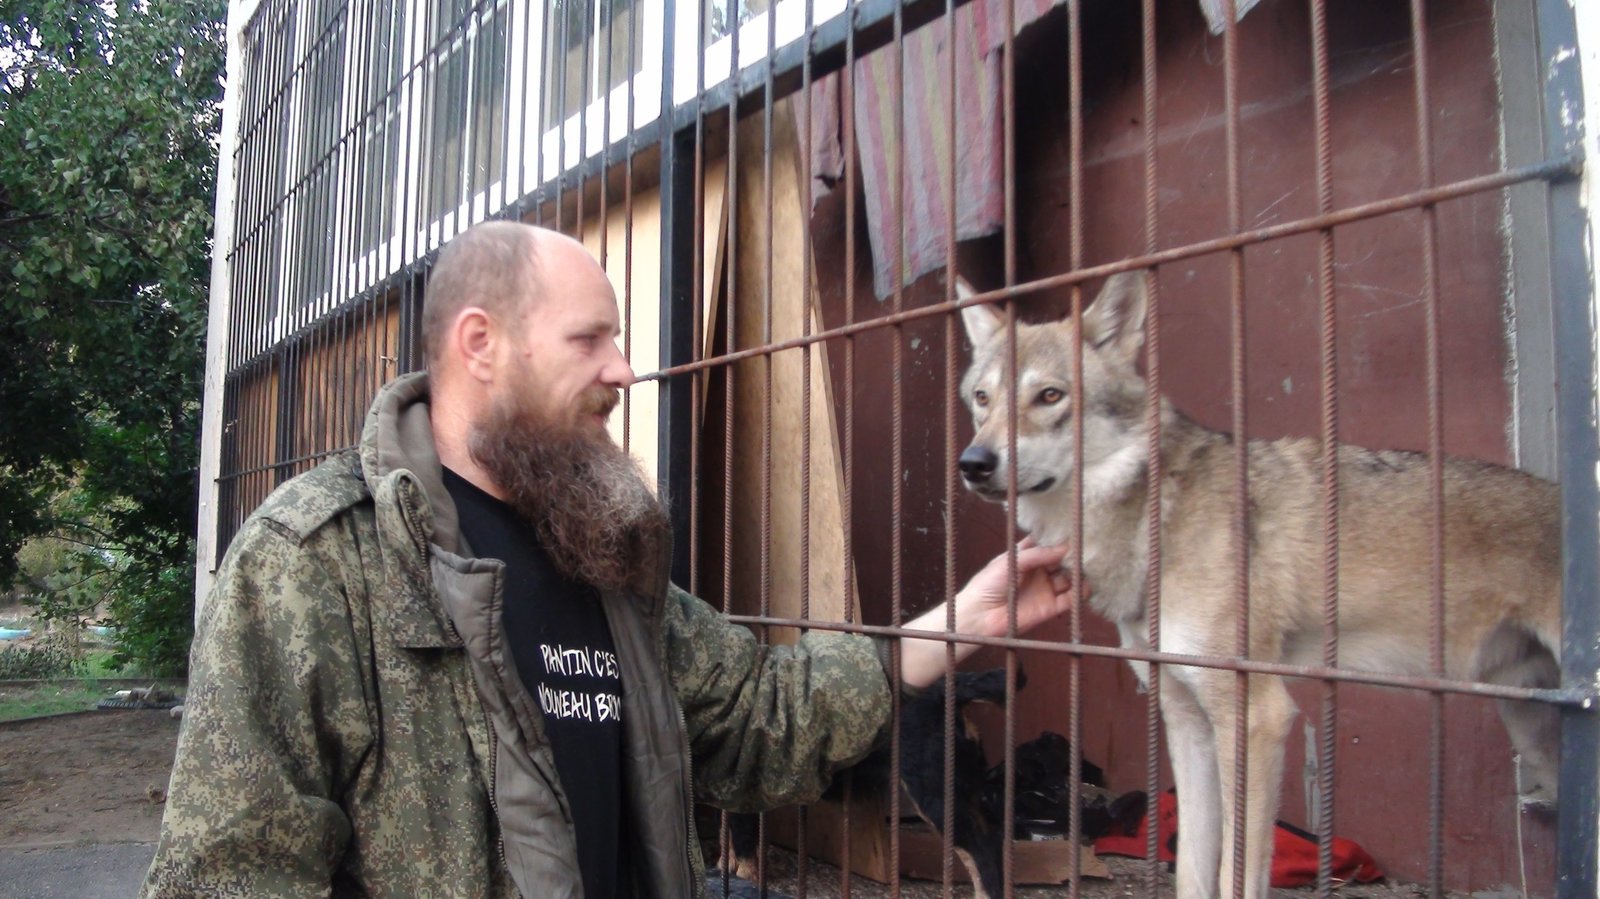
(1050, 396)
(980, 399)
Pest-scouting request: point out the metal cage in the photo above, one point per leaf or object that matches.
(805, 429)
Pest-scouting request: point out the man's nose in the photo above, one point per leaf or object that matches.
(617, 372)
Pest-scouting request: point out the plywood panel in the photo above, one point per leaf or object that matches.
(783, 504)
(632, 260)
(338, 373)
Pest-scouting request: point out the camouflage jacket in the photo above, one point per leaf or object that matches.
(354, 726)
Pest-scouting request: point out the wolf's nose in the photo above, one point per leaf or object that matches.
(978, 463)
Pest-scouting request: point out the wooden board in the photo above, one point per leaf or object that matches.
(1034, 862)
(771, 299)
(867, 852)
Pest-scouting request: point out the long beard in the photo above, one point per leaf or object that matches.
(596, 517)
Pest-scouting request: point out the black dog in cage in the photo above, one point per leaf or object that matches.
(978, 816)
(1041, 805)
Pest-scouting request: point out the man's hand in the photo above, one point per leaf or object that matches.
(1043, 592)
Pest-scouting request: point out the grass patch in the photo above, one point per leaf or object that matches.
(48, 699)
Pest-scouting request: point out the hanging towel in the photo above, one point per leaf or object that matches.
(920, 125)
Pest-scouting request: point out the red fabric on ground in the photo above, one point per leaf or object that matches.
(1294, 852)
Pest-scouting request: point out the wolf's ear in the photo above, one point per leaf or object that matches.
(982, 321)
(1115, 320)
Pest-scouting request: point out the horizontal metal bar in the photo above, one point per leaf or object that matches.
(1550, 170)
(274, 466)
(1582, 698)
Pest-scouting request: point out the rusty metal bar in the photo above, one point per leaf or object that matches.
(1581, 697)
(1074, 560)
(953, 198)
(697, 279)
(803, 125)
(1328, 743)
(846, 502)
(1153, 454)
(536, 199)
(1430, 261)
(897, 175)
(1008, 105)
(764, 553)
(1239, 824)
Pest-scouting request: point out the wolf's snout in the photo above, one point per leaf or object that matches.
(978, 463)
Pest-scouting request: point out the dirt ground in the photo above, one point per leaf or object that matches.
(101, 777)
(91, 777)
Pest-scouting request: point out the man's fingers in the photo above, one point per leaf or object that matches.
(1035, 557)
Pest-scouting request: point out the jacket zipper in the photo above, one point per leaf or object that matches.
(409, 511)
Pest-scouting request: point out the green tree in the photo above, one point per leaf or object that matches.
(109, 114)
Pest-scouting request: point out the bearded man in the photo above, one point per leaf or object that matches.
(449, 663)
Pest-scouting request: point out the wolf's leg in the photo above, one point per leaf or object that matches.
(1270, 713)
(1534, 727)
(1513, 655)
(1191, 745)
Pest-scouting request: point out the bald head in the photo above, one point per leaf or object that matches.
(503, 268)
(492, 265)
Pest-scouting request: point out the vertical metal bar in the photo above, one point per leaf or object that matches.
(767, 362)
(947, 827)
(767, 356)
(605, 215)
(1430, 281)
(697, 282)
(560, 53)
(803, 124)
(590, 32)
(549, 49)
(627, 233)
(847, 121)
(1241, 524)
(1152, 709)
(1075, 557)
(1008, 107)
(678, 248)
(410, 164)
(363, 43)
(469, 28)
(897, 175)
(1327, 745)
(1578, 446)
(530, 54)
(730, 308)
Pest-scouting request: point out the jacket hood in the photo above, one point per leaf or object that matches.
(396, 440)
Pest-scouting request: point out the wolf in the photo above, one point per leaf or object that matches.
(1501, 559)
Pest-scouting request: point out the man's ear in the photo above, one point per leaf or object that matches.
(1114, 322)
(472, 342)
(982, 321)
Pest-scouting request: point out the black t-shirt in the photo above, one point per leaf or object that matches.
(561, 642)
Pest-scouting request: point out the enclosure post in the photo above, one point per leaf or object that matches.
(217, 314)
(1577, 452)
(675, 423)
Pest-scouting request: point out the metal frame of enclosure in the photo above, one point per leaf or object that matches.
(360, 135)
